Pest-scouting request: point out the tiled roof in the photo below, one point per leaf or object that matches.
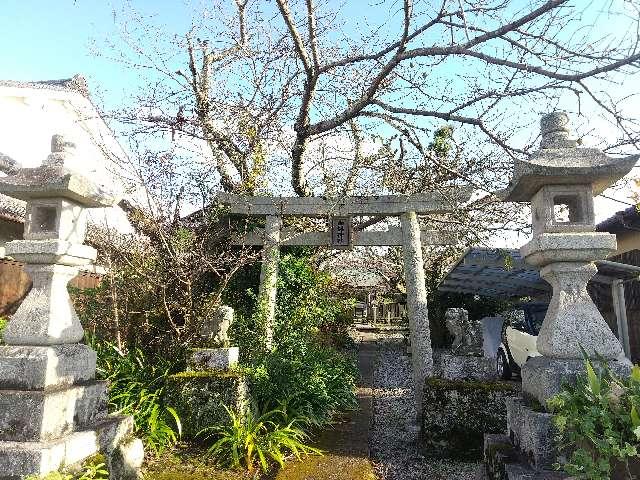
(11, 209)
(77, 83)
(622, 221)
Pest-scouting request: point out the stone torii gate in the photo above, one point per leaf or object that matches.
(342, 236)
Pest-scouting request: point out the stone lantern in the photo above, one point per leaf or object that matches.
(53, 412)
(560, 180)
(52, 249)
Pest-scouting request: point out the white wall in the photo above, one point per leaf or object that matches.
(28, 119)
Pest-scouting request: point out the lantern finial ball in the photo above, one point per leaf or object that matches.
(61, 149)
(554, 128)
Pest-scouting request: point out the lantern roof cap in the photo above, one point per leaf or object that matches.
(52, 179)
(560, 162)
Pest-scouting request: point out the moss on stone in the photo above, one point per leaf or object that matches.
(457, 414)
(535, 405)
(199, 398)
(188, 462)
(207, 374)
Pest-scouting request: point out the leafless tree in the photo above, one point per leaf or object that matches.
(254, 82)
(167, 277)
(397, 96)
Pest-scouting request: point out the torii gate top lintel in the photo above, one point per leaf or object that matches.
(388, 205)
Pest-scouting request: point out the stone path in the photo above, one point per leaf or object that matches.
(380, 440)
(346, 445)
(394, 441)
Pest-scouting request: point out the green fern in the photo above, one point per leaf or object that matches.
(253, 439)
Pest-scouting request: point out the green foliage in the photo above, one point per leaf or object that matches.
(92, 469)
(252, 439)
(303, 370)
(441, 144)
(136, 387)
(3, 325)
(199, 396)
(598, 422)
(313, 380)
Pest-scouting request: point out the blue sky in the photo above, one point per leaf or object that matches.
(47, 39)
(51, 39)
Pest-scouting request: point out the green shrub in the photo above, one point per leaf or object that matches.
(93, 469)
(312, 380)
(598, 422)
(252, 439)
(136, 388)
(3, 325)
(303, 371)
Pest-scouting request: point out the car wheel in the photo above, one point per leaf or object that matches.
(503, 369)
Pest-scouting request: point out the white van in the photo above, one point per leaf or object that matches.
(521, 328)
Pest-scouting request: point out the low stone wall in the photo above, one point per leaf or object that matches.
(457, 414)
(199, 398)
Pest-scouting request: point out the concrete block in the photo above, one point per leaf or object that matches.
(18, 459)
(42, 368)
(32, 416)
(522, 472)
(466, 367)
(498, 453)
(126, 460)
(543, 377)
(112, 431)
(214, 358)
(532, 433)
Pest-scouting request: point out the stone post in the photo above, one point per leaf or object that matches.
(269, 276)
(620, 308)
(420, 336)
(53, 413)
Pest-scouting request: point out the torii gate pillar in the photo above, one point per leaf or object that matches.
(421, 353)
(269, 276)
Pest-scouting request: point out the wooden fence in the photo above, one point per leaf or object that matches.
(15, 284)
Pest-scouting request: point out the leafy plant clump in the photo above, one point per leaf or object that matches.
(598, 422)
(136, 387)
(93, 469)
(3, 325)
(303, 370)
(313, 381)
(254, 439)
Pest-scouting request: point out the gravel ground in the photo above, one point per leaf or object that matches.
(394, 443)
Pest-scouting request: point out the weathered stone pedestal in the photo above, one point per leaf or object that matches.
(211, 382)
(543, 377)
(466, 367)
(53, 411)
(214, 358)
(457, 414)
